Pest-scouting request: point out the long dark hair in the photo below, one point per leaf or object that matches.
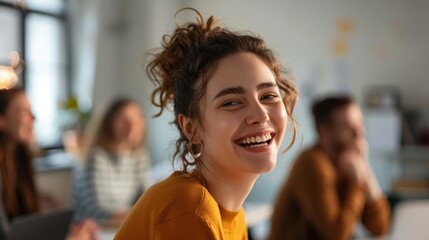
(16, 168)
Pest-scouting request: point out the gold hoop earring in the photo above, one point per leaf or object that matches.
(190, 151)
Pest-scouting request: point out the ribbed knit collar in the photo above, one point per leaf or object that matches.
(228, 217)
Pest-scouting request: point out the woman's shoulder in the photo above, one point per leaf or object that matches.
(181, 186)
(178, 195)
(93, 155)
(176, 207)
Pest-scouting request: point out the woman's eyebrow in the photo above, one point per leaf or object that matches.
(231, 90)
(241, 90)
(266, 85)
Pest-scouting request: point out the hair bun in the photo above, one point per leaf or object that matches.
(167, 61)
(199, 17)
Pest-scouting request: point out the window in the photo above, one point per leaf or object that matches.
(9, 29)
(37, 30)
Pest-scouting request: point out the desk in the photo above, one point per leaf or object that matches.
(106, 234)
(54, 179)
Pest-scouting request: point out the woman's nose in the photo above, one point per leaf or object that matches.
(257, 114)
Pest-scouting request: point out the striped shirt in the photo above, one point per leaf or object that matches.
(110, 183)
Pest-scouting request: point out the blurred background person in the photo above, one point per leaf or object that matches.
(331, 186)
(116, 165)
(18, 194)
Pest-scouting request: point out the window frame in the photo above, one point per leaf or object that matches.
(63, 19)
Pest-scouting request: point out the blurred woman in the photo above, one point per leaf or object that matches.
(116, 164)
(18, 192)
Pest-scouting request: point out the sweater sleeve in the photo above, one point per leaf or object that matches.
(376, 216)
(85, 195)
(333, 217)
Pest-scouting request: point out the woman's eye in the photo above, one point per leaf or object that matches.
(231, 103)
(270, 96)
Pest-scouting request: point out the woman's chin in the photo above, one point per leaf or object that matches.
(264, 167)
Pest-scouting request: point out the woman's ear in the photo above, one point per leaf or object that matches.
(190, 128)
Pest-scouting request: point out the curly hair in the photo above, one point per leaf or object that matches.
(182, 67)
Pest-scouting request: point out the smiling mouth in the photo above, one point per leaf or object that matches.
(256, 141)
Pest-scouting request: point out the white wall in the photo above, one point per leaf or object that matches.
(387, 47)
(302, 33)
(108, 57)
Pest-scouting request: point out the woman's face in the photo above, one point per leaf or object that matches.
(19, 120)
(128, 125)
(243, 116)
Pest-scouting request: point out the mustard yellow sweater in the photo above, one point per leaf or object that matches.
(316, 204)
(180, 207)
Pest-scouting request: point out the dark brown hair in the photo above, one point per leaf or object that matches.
(182, 67)
(324, 108)
(16, 168)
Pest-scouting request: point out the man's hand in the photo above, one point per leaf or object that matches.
(353, 166)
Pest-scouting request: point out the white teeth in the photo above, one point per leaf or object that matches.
(257, 145)
(255, 139)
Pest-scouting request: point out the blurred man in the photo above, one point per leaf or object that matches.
(331, 186)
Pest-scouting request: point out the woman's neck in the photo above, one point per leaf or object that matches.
(228, 191)
(117, 148)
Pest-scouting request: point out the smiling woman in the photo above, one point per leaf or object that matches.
(231, 101)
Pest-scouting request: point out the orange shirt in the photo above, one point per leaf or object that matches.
(315, 204)
(180, 207)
